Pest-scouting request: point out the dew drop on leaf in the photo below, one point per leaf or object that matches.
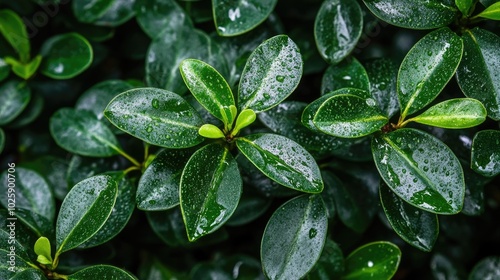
(155, 103)
(280, 78)
(312, 233)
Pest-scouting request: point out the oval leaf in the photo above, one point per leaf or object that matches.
(492, 12)
(271, 74)
(65, 56)
(337, 29)
(377, 260)
(80, 132)
(101, 272)
(427, 68)
(347, 74)
(294, 238)
(13, 30)
(210, 189)
(154, 16)
(84, 211)
(283, 161)
(421, 170)
(465, 6)
(486, 153)
(15, 97)
(349, 116)
(156, 116)
(414, 14)
(487, 268)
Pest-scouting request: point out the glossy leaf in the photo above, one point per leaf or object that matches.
(347, 74)
(29, 273)
(283, 161)
(42, 247)
(427, 68)
(250, 207)
(13, 30)
(337, 29)
(15, 97)
(477, 74)
(30, 113)
(330, 264)
(421, 170)
(155, 16)
(65, 56)
(465, 6)
(417, 227)
(454, 113)
(209, 88)
(414, 14)
(377, 260)
(84, 211)
(156, 116)
(24, 70)
(235, 17)
(104, 12)
(210, 189)
(36, 224)
(349, 116)
(491, 12)
(486, 153)
(383, 74)
(294, 238)
(271, 74)
(158, 187)
(102, 272)
(487, 268)
(80, 132)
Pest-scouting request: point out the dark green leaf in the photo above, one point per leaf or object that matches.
(14, 31)
(487, 268)
(154, 16)
(271, 74)
(169, 226)
(15, 97)
(30, 113)
(444, 268)
(29, 273)
(236, 17)
(81, 168)
(347, 74)
(474, 200)
(80, 132)
(250, 207)
(330, 264)
(383, 74)
(488, 3)
(294, 237)
(36, 224)
(337, 29)
(205, 271)
(492, 12)
(282, 160)
(84, 211)
(477, 74)
(486, 153)
(417, 227)
(349, 116)
(427, 68)
(104, 12)
(2, 140)
(102, 272)
(4, 69)
(65, 56)
(18, 258)
(210, 189)
(465, 6)
(377, 260)
(415, 14)
(24, 70)
(156, 116)
(421, 170)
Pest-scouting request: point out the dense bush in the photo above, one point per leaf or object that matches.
(304, 139)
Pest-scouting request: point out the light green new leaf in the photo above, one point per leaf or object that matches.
(492, 12)
(486, 153)
(236, 17)
(427, 68)
(453, 113)
(348, 73)
(80, 132)
(487, 268)
(421, 170)
(154, 16)
(24, 70)
(271, 74)
(42, 248)
(349, 116)
(376, 260)
(102, 272)
(15, 97)
(337, 29)
(294, 238)
(465, 6)
(156, 116)
(210, 89)
(65, 56)
(210, 189)
(283, 161)
(477, 74)
(84, 211)
(13, 30)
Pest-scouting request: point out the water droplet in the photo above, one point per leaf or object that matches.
(155, 103)
(312, 233)
(280, 78)
(149, 128)
(370, 264)
(267, 95)
(370, 102)
(152, 202)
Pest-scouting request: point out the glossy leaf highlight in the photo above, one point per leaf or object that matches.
(486, 153)
(376, 260)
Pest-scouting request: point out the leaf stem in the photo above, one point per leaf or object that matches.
(127, 156)
(130, 169)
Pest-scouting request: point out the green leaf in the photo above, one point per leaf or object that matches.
(492, 12)
(271, 74)
(21, 259)
(30, 113)
(30, 191)
(29, 273)
(245, 118)
(84, 211)
(42, 248)
(337, 29)
(383, 74)
(65, 56)
(427, 68)
(102, 272)
(376, 260)
(24, 70)
(15, 97)
(80, 132)
(36, 224)
(487, 268)
(487, 3)
(349, 116)
(158, 187)
(236, 17)
(154, 16)
(104, 12)
(156, 116)
(349, 73)
(169, 226)
(465, 6)
(250, 207)
(210, 189)
(421, 170)
(4, 69)
(414, 14)
(453, 113)
(211, 131)
(330, 264)
(209, 88)
(477, 74)
(417, 227)
(283, 161)
(294, 238)
(14, 31)
(485, 158)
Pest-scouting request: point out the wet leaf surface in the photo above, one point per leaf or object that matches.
(377, 260)
(15, 97)
(349, 73)
(486, 153)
